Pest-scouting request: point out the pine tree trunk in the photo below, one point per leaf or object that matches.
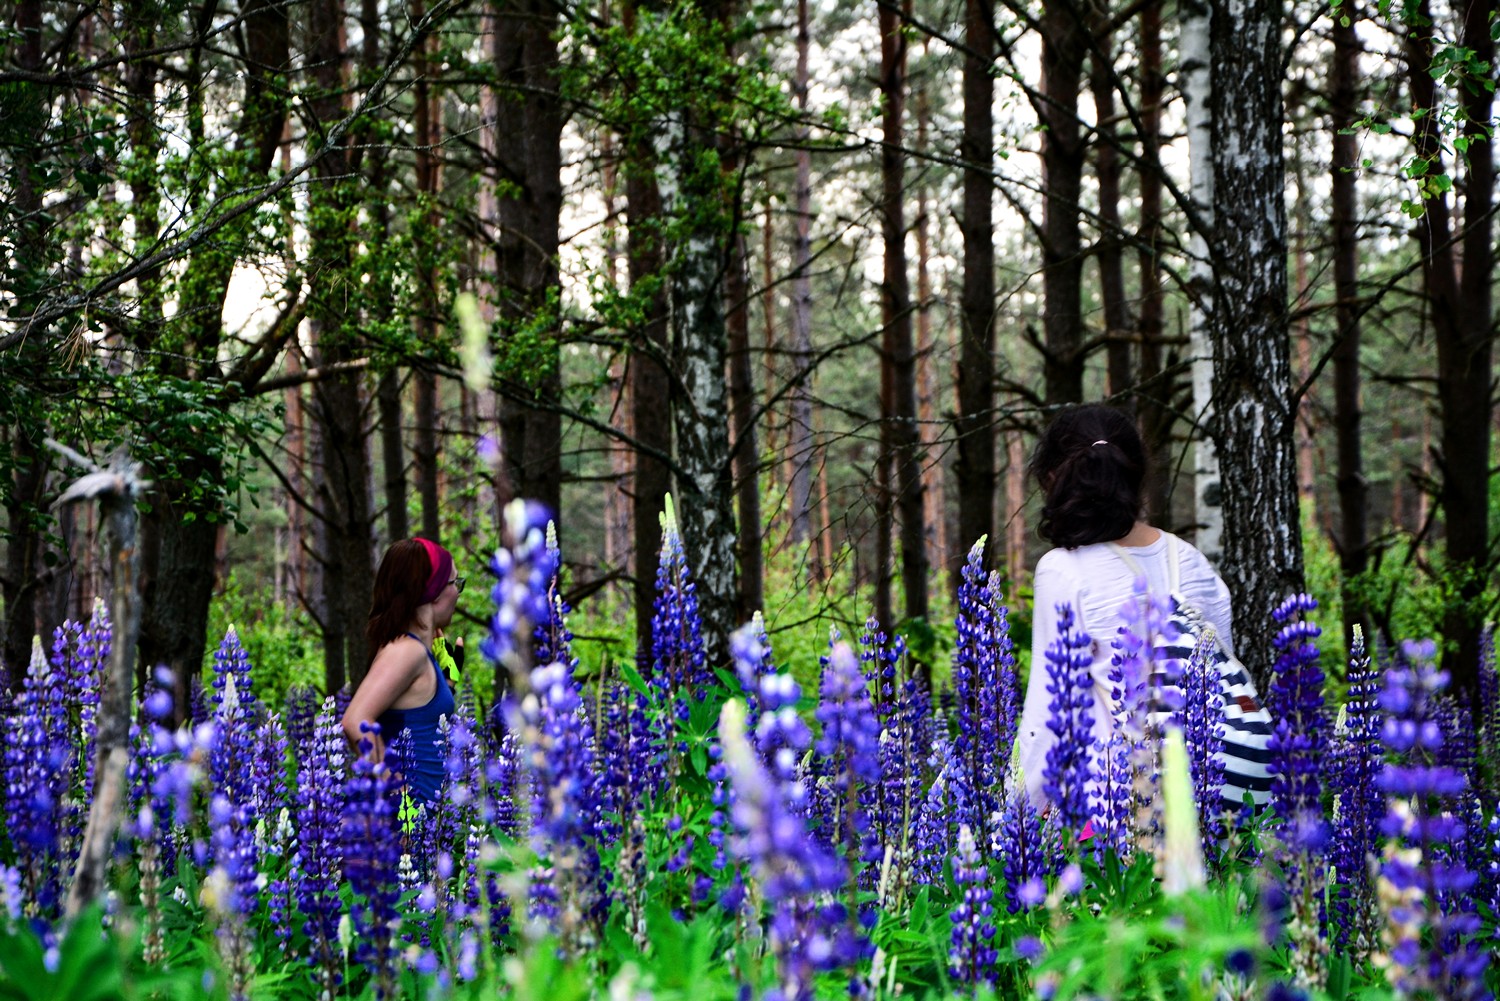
(1459, 290)
(1255, 427)
(975, 423)
(650, 389)
(750, 597)
(1064, 44)
(393, 455)
(1154, 409)
(901, 444)
(1354, 531)
(799, 424)
(529, 155)
(337, 407)
(1111, 253)
(426, 234)
(24, 494)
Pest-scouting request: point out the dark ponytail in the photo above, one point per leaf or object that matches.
(397, 594)
(1090, 464)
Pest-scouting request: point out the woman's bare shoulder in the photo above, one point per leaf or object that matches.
(401, 657)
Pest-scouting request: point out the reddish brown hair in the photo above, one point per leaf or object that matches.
(399, 583)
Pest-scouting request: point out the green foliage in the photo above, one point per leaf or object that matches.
(281, 641)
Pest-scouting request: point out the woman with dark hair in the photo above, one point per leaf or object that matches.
(1090, 464)
(403, 689)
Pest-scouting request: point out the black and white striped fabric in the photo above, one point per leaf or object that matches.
(1247, 723)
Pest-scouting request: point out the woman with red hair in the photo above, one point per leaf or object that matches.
(404, 689)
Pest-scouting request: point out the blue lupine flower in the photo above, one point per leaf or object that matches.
(1203, 734)
(37, 756)
(316, 869)
(233, 887)
(971, 957)
(848, 752)
(552, 639)
(558, 743)
(1066, 775)
(1358, 805)
(795, 874)
(370, 839)
(1436, 950)
(1030, 850)
(985, 693)
(523, 572)
(679, 664)
(1298, 745)
(231, 661)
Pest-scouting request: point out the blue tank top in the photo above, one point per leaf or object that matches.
(422, 760)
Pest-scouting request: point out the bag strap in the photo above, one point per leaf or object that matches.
(1174, 572)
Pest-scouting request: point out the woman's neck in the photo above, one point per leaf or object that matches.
(423, 631)
(1140, 534)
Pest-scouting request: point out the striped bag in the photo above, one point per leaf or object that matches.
(1247, 723)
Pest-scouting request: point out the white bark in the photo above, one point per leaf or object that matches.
(1196, 85)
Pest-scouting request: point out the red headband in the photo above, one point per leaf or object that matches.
(442, 570)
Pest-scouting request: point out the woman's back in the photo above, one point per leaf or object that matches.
(1096, 582)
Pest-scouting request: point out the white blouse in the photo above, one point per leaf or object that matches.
(1096, 582)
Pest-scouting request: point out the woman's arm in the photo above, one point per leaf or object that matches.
(395, 668)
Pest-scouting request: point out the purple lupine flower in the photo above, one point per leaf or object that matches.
(750, 652)
(232, 888)
(269, 792)
(1298, 745)
(1143, 689)
(523, 572)
(37, 754)
(1066, 775)
(198, 708)
(301, 714)
(1031, 851)
(86, 675)
(370, 838)
(848, 752)
(679, 663)
(1203, 733)
(231, 763)
(230, 660)
(552, 639)
(795, 874)
(316, 870)
(1357, 805)
(979, 702)
(1436, 949)
(971, 957)
(1487, 724)
(558, 742)
(1113, 798)
(930, 836)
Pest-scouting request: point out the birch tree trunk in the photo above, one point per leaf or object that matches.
(1196, 84)
(975, 423)
(1254, 424)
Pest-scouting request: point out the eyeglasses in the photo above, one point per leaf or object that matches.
(458, 584)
